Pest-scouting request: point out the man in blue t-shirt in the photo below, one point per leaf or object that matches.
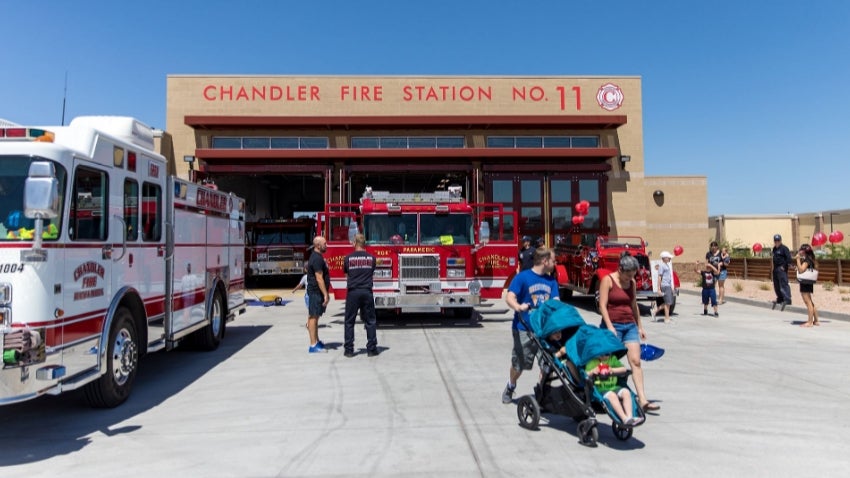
(529, 289)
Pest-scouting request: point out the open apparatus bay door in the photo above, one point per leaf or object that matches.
(435, 251)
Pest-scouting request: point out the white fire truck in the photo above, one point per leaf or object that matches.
(104, 258)
(435, 251)
(277, 248)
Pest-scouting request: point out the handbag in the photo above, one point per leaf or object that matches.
(809, 276)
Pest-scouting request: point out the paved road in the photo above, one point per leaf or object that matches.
(747, 394)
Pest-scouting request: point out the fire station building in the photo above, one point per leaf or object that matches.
(538, 145)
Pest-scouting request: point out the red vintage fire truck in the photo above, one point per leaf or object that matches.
(581, 267)
(278, 248)
(435, 251)
(104, 258)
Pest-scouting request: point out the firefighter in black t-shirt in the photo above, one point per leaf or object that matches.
(359, 267)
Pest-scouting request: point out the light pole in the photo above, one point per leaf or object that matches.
(830, 220)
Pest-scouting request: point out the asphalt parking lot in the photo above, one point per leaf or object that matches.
(745, 394)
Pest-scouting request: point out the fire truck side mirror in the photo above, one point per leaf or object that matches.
(41, 191)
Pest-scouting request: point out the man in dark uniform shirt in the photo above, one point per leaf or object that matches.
(359, 267)
(781, 258)
(526, 254)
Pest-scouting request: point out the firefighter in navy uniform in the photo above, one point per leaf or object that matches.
(359, 266)
(526, 254)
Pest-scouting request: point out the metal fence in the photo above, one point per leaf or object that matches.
(836, 271)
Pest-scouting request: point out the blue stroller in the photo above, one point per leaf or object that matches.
(563, 388)
(587, 343)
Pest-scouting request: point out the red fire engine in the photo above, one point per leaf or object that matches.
(104, 258)
(580, 268)
(436, 252)
(277, 248)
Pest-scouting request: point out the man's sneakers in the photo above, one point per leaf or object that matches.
(317, 349)
(373, 353)
(349, 353)
(508, 394)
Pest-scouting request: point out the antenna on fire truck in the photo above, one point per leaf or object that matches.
(64, 97)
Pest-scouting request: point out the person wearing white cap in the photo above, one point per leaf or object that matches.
(665, 277)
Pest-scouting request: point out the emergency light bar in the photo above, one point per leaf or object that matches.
(32, 134)
(452, 195)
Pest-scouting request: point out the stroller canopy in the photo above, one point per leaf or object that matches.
(590, 342)
(553, 316)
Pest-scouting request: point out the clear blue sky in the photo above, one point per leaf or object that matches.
(752, 94)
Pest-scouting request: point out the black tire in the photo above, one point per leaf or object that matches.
(209, 338)
(528, 412)
(565, 294)
(120, 366)
(588, 433)
(622, 433)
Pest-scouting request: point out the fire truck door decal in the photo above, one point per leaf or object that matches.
(87, 275)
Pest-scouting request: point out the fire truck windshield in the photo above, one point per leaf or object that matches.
(424, 228)
(268, 237)
(14, 226)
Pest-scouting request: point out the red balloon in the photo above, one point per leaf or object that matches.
(678, 250)
(835, 237)
(757, 248)
(581, 219)
(818, 239)
(579, 207)
(577, 220)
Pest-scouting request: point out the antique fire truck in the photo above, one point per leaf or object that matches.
(580, 268)
(435, 251)
(104, 258)
(278, 248)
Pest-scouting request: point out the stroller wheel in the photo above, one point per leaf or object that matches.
(528, 412)
(588, 432)
(622, 433)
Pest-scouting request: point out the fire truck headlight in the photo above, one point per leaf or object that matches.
(475, 287)
(5, 316)
(5, 294)
(382, 274)
(262, 256)
(298, 256)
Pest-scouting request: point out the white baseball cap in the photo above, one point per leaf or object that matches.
(666, 255)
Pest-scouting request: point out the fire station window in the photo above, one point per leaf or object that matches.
(131, 209)
(90, 206)
(365, 143)
(284, 143)
(227, 143)
(556, 141)
(313, 143)
(394, 143)
(450, 142)
(151, 217)
(255, 143)
(529, 142)
(500, 141)
(585, 142)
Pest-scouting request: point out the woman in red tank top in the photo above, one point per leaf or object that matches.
(620, 315)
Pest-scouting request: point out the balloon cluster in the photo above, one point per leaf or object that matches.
(818, 239)
(836, 237)
(678, 250)
(582, 208)
(757, 248)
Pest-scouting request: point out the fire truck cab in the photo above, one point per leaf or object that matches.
(104, 258)
(278, 248)
(435, 251)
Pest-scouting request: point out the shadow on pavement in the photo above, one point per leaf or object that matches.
(50, 426)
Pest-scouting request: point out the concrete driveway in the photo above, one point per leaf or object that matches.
(745, 394)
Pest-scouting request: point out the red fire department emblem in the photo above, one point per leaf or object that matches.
(609, 96)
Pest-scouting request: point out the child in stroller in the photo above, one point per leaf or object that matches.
(564, 386)
(607, 373)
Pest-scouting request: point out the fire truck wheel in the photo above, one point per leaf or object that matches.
(210, 336)
(122, 360)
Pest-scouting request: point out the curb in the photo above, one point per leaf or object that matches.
(767, 305)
